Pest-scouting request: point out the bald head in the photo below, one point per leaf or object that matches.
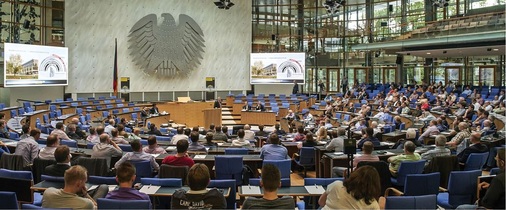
(246, 127)
(475, 137)
(104, 138)
(75, 120)
(112, 122)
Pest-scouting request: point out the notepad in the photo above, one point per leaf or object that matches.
(149, 189)
(199, 157)
(251, 190)
(155, 155)
(171, 148)
(338, 153)
(315, 189)
(93, 187)
(220, 144)
(112, 187)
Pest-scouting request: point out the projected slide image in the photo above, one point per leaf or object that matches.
(269, 68)
(34, 65)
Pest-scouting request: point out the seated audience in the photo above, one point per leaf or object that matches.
(125, 176)
(47, 153)
(278, 130)
(62, 157)
(475, 147)
(219, 135)
(463, 133)
(270, 182)
(337, 142)
(249, 135)
(135, 134)
(29, 148)
(209, 140)
(366, 155)
(198, 197)
(137, 155)
(430, 130)
(273, 151)
(179, 136)
(439, 151)
(153, 130)
(25, 129)
(106, 149)
(71, 132)
(75, 183)
(110, 126)
(79, 131)
(4, 133)
(59, 132)
(181, 158)
(308, 142)
(116, 138)
(359, 191)
(93, 137)
(241, 141)
(261, 132)
(321, 134)
(195, 146)
(368, 135)
(153, 147)
(300, 136)
(409, 155)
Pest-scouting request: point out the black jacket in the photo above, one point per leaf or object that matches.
(56, 170)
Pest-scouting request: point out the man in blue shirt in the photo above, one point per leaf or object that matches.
(273, 151)
(125, 176)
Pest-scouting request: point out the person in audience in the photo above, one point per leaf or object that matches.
(260, 107)
(153, 147)
(198, 197)
(137, 155)
(270, 182)
(290, 116)
(337, 142)
(375, 129)
(501, 108)
(47, 153)
(108, 128)
(246, 106)
(278, 130)
(125, 176)
(4, 133)
(261, 132)
(25, 131)
(307, 117)
(321, 133)
(409, 155)
(179, 136)
(195, 146)
(300, 136)
(241, 141)
(62, 156)
(59, 132)
(117, 138)
(106, 149)
(212, 129)
(71, 132)
(308, 142)
(209, 141)
(439, 151)
(3, 149)
(181, 158)
(426, 116)
(488, 106)
(249, 135)
(461, 110)
(224, 129)
(93, 137)
(469, 113)
(367, 155)
(153, 130)
(121, 131)
(487, 126)
(28, 147)
(273, 151)
(75, 179)
(144, 113)
(219, 135)
(368, 135)
(359, 191)
(154, 109)
(135, 134)
(79, 131)
(475, 147)
(460, 136)
(430, 130)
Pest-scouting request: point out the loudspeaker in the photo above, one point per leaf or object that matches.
(26, 24)
(390, 8)
(399, 59)
(350, 146)
(273, 37)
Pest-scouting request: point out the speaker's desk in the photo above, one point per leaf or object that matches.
(190, 113)
(258, 118)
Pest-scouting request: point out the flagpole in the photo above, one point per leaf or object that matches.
(115, 69)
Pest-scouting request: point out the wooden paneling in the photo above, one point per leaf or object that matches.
(190, 113)
(258, 118)
(212, 116)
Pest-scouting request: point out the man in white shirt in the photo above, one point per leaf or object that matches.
(47, 152)
(248, 134)
(179, 136)
(109, 127)
(28, 147)
(240, 142)
(60, 132)
(431, 130)
(380, 115)
(337, 142)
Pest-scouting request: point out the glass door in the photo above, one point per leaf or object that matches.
(334, 80)
(439, 75)
(361, 75)
(388, 75)
(453, 74)
(487, 75)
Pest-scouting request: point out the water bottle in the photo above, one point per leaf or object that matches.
(148, 124)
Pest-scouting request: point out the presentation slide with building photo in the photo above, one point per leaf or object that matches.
(35, 65)
(271, 68)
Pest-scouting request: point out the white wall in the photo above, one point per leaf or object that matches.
(9, 96)
(275, 89)
(92, 25)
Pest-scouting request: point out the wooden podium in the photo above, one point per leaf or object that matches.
(212, 116)
(190, 113)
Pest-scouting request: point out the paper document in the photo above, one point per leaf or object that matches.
(149, 189)
(220, 144)
(92, 187)
(112, 187)
(155, 155)
(12, 143)
(199, 157)
(250, 190)
(171, 148)
(315, 189)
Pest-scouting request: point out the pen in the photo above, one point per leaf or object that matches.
(249, 186)
(149, 186)
(315, 186)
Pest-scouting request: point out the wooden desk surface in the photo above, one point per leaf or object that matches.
(282, 191)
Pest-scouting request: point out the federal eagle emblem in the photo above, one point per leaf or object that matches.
(168, 49)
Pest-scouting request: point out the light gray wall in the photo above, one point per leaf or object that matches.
(9, 96)
(92, 25)
(275, 89)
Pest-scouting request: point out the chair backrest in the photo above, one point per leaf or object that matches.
(409, 167)
(383, 170)
(143, 169)
(90, 145)
(475, 161)
(306, 156)
(103, 203)
(444, 165)
(69, 143)
(12, 162)
(22, 188)
(109, 180)
(16, 174)
(229, 167)
(231, 200)
(462, 187)
(495, 171)
(236, 151)
(9, 200)
(422, 184)
(168, 171)
(38, 167)
(164, 182)
(411, 202)
(125, 147)
(95, 166)
(284, 167)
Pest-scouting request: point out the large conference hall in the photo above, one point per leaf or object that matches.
(252, 104)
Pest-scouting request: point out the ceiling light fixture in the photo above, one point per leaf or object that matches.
(495, 49)
(224, 4)
(440, 3)
(428, 53)
(332, 6)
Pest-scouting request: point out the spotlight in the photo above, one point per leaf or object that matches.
(224, 4)
(332, 6)
(440, 3)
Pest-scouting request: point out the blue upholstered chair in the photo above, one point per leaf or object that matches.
(411, 202)
(306, 158)
(103, 203)
(236, 151)
(406, 168)
(461, 189)
(229, 167)
(475, 161)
